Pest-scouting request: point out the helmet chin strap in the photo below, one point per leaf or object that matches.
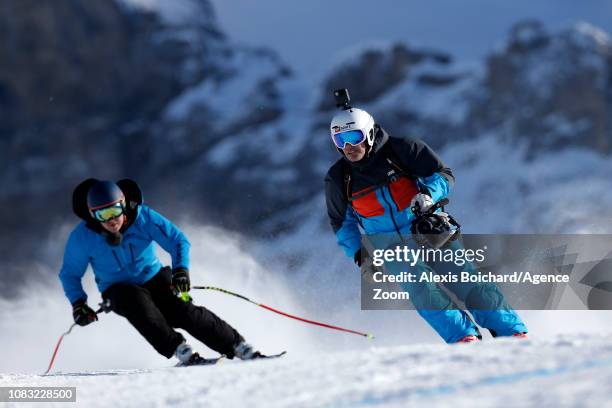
(369, 149)
(367, 142)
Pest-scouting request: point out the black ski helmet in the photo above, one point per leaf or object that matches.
(104, 193)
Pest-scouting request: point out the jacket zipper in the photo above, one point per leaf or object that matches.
(382, 193)
(132, 252)
(117, 259)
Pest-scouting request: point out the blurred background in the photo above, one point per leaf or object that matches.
(220, 111)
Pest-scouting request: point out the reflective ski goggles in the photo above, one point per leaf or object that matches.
(108, 213)
(353, 137)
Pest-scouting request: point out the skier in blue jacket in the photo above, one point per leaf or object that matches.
(116, 238)
(372, 188)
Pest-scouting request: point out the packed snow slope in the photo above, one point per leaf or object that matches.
(561, 371)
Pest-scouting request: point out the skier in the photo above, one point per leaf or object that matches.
(116, 237)
(374, 185)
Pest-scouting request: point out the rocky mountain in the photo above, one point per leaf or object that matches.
(224, 133)
(548, 90)
(553, 90)
(84, 90)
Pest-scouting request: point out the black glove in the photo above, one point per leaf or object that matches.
(180, 280)
(83, 314)
(357, 257)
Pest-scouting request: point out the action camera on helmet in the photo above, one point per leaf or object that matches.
(343, 100)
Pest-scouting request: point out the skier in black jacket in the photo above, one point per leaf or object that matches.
(373, 186)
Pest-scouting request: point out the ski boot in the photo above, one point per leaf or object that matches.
(244, 351)
(470, 338)
(187, 357)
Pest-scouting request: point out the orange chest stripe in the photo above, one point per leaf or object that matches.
(402, 191)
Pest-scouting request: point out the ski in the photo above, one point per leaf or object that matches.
(266, 356)
(200, 361)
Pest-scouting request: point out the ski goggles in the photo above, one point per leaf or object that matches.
(108, 213)
(353, 137)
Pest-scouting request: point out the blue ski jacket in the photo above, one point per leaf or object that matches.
(133, 261)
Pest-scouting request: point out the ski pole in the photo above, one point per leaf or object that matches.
(104, 307)
(301, 319)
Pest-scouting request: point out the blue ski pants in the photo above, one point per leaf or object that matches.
(484, 301)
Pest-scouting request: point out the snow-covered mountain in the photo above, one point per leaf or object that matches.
(227, 134)
(272, 149)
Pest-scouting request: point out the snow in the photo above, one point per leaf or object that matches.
(498, 189)
(578, 49)
(447, 103)
(561, 371)
(178, 12)
(352, 56)
(244, 70)
(529, 33)
(589, 36)
(563, 127)
(280, 141)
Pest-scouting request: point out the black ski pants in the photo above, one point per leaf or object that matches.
(154, 311)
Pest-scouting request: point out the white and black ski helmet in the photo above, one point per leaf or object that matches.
(353, 119)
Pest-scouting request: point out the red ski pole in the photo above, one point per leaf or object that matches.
(104, 307)
(57, 347)
(301, 319)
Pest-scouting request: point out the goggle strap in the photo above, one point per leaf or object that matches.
(107, 204)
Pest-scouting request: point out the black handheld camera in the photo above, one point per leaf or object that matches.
(434, 229)
(343, 100)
